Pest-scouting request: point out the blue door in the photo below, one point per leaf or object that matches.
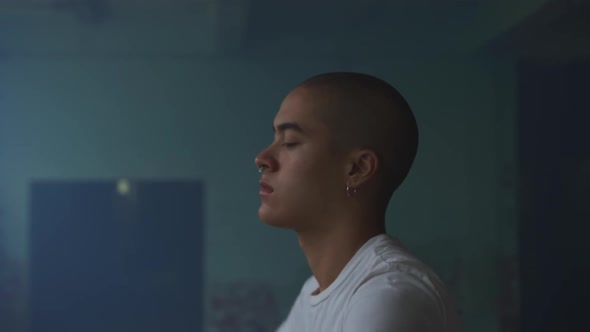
(116, 256)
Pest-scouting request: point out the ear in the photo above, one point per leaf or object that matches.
(362, 167)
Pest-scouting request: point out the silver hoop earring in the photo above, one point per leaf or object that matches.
(348, 191)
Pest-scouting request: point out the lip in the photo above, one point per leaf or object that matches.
(265, 188)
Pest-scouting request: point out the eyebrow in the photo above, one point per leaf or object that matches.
(288, 125)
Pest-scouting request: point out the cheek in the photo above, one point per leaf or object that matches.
(311, 171)
(320, 177)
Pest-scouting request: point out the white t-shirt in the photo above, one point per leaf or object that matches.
(382, 288)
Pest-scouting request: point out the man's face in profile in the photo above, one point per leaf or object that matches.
(304, 178)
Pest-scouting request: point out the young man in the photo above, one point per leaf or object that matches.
(343, 144)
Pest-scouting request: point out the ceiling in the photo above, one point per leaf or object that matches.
(255, 27)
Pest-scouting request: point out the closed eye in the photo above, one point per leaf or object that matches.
(290, 144)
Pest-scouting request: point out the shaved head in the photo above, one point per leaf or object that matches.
(365, 112)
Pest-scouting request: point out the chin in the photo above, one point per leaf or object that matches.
(273, 219)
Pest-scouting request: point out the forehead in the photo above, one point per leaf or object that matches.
(299, 107)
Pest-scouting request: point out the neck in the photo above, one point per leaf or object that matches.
(328, 251)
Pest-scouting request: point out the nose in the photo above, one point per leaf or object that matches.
(266, 160)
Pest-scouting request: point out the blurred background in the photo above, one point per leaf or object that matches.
(128, 131)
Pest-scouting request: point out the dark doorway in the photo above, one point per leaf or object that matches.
(554, 152)
(116, 256)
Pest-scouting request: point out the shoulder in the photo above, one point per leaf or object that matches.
(394, 301)
(399, 292)
(397, 266)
